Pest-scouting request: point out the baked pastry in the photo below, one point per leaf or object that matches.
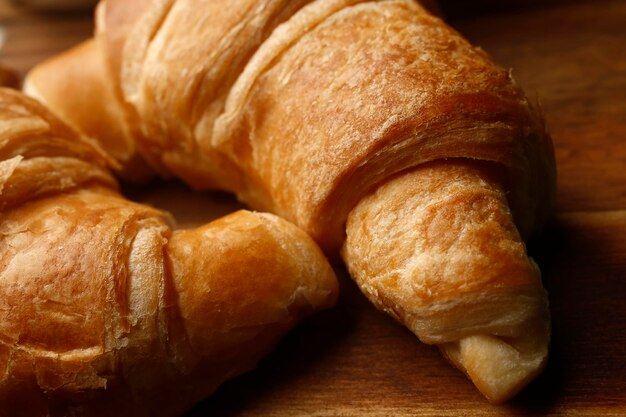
(378, 130)
(104, 310)
(95, 111)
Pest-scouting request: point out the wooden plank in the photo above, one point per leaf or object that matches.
(31, 37)
(353, 360)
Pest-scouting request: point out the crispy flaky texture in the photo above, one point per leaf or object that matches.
(72, 99)
(371, 125)
(104, 310)
(437, 249)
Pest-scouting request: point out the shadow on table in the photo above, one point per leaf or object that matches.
(581, 256)
(299, 353)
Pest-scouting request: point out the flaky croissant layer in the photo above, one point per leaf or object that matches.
(104, 310)
(437, 249)
(306, 108)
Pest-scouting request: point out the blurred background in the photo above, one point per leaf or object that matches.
(568, 54)
(38, 26)
(52, 5)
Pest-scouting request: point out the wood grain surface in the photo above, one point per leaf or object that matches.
(355, 361)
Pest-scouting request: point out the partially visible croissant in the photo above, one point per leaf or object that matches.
(375, 128)
(104, 310)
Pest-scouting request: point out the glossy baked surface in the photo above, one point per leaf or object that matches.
(354, 360)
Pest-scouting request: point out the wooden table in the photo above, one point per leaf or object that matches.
(354, 361)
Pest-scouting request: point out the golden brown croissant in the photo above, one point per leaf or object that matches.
(104, 310)
(378, 130)
(102, 117)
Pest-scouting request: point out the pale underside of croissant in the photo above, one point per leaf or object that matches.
(373, 126)
(104, 310)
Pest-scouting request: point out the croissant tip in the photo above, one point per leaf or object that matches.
(499, 368)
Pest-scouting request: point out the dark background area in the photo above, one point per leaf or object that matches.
(355, 361)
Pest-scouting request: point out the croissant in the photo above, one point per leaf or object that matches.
(101, 118)
(104, 310)
(374, 127)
